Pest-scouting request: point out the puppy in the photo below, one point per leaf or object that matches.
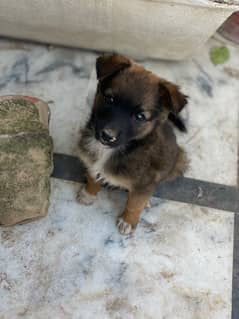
(128, 141)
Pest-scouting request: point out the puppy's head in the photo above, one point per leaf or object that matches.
(130, 101)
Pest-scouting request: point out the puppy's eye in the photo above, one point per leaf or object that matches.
(109, 99)
(140, 117)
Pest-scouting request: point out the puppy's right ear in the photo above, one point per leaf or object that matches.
(108, 65)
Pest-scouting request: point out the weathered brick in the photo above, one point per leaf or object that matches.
(25, 160)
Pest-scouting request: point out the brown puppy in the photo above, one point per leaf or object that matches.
(128, 141)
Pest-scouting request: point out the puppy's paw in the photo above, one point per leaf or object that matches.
(124, 227)
(148, 205)
(83, 197)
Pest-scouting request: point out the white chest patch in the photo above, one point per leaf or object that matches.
(95, 160)
(103, 155)
(96, 156)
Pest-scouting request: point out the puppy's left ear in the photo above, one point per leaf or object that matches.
(110, 64)
(171, 97)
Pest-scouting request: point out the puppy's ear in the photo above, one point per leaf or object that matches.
(171, 97)
(108, 65)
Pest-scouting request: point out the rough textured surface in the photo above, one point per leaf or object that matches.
(17, 116)
(25, 162)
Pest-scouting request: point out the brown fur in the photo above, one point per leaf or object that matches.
(153, 155)
(92, 187)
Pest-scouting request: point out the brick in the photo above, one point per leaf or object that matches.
(25, 159)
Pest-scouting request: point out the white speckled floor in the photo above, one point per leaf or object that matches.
(73, 263)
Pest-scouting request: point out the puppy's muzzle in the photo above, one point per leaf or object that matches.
(109, 136)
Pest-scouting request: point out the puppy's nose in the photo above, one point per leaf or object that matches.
(109, 135)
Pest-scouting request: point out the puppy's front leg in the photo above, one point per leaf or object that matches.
(87, 193)
(136, 203)
(92, 187)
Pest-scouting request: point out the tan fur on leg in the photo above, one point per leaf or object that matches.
(87, 193)
(92, 187)
(136, 203)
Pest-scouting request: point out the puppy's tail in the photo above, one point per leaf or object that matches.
(177, 121)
